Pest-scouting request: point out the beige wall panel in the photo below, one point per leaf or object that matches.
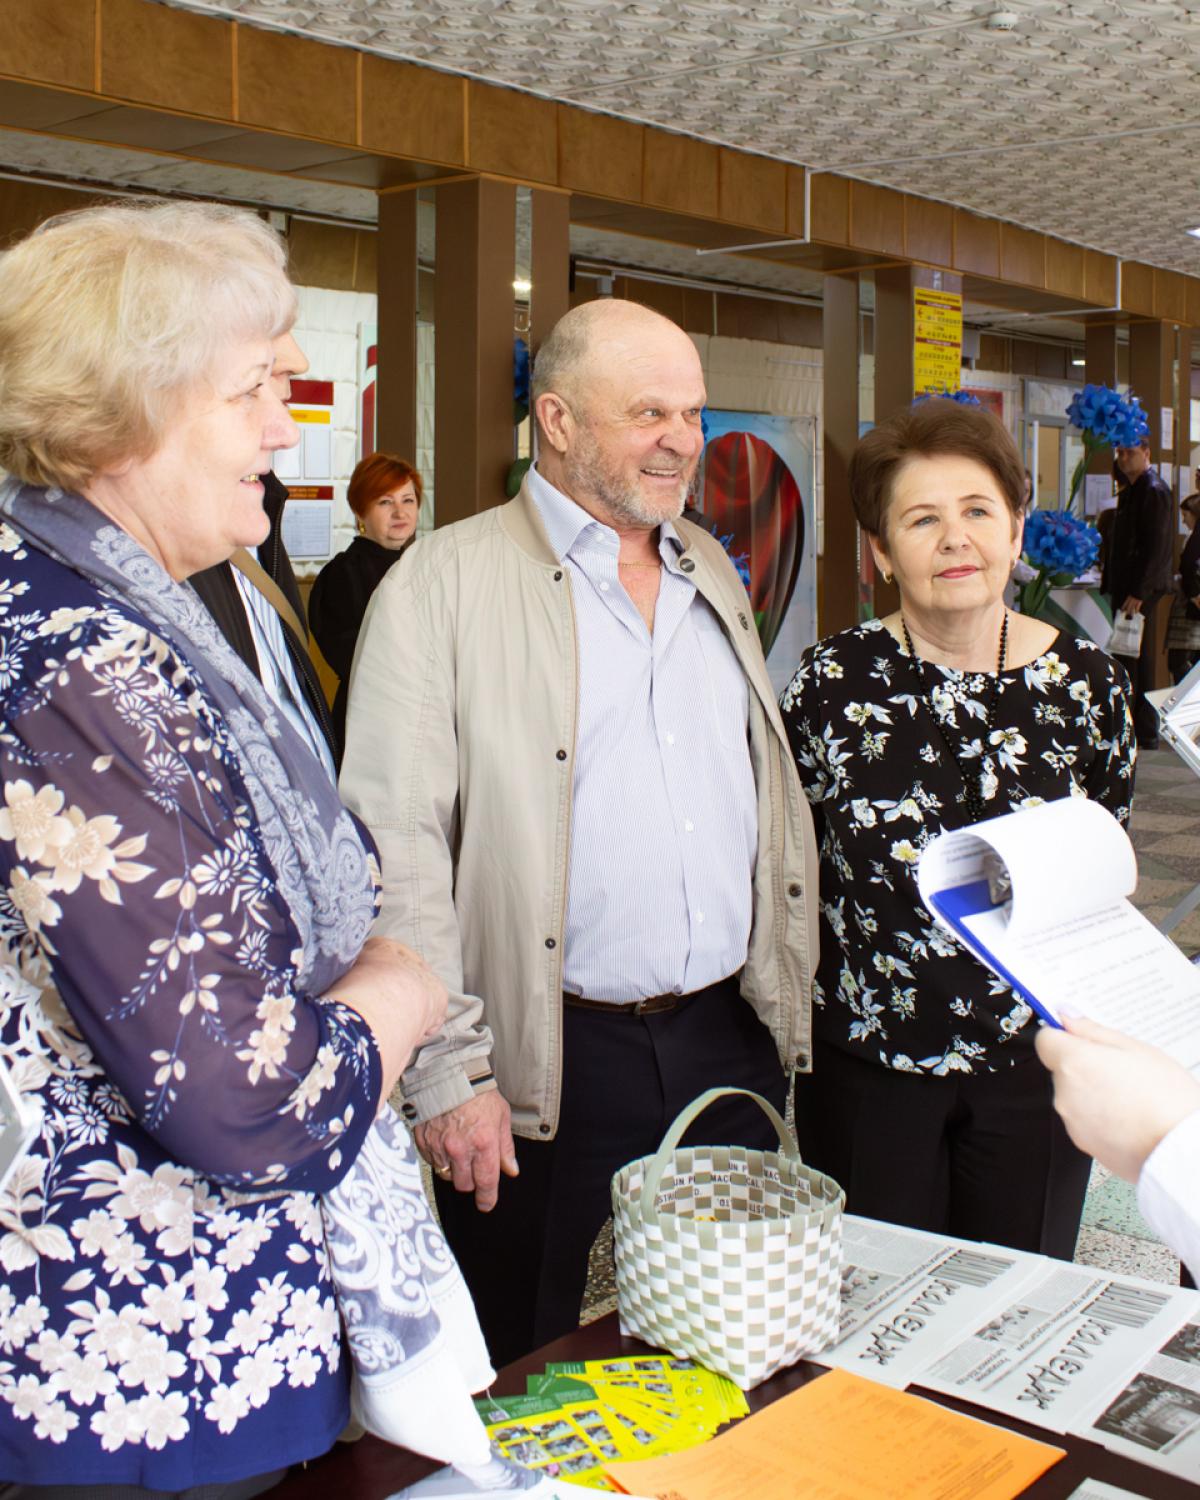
(830, 210)
(995, 353)
(322, 255)
(1022, 255)
(511, 134)
(52, 41)
(928, 231)
(876, 218)
(1137, 288)
(296, 86)
(412, 111)
(1170, 295)
(156, 55)
(976, 244)
(1099, 278)
(1065, 268)
(681, 174)
(599, 155)
(753, 191)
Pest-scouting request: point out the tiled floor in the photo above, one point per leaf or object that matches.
(1166, 835)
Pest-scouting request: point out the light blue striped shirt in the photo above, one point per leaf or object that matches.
(276, 671)
(664, 823)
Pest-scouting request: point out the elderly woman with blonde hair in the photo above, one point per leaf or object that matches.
(187, 986)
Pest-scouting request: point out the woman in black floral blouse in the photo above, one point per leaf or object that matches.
(926, 1101)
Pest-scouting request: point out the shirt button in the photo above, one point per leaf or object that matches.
(688, 825)
(560, 755)
(699, 916)
(603, 587)
(670, 739)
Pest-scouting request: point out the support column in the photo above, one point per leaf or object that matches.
(473, 346)
(838, 572)
(550, 263)
(895, 386)
(1100, 368)
(1185, 479)
(396, 382)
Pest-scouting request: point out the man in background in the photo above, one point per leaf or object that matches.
(256, 603)
(1140, 567)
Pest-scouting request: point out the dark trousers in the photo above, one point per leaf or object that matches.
(625, 1078)
(1141, 669)
(981, 1156)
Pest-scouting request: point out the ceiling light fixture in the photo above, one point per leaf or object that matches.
(1195, 233)
(522, 288)
(1078, 361)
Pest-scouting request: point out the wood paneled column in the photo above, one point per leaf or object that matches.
(1152, 381)
(837, 575)
(1100, 368)
(894, 288)
(473, 346)
(550, 263)
(396, 382)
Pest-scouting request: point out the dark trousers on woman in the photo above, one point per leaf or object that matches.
(982, 1156)
(625, 1078)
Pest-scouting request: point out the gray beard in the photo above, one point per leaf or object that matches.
(624, 504)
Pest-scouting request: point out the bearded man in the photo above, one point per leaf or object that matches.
(562, 735)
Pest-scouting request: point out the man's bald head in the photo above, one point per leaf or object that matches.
(618, 390)
(594, 340)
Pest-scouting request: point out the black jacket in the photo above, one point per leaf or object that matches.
(219, 591)
(1189, 572)
(1141, 552)
(336, 607)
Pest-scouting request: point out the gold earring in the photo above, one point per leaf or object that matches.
(885, 575)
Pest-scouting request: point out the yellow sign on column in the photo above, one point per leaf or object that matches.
(937, 340)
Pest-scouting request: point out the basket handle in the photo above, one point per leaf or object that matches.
(685, 1117)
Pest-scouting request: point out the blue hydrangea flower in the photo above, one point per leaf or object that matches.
(520, 372)
(1105, 415)
(1058, 542)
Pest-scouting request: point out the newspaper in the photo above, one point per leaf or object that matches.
(1063, 1347)
(906, 1295)
(1155, 1417)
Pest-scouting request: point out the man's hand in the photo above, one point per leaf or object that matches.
(472, 1145)
(1131, 606)
(1118, 1098)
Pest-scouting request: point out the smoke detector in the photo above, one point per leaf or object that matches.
(1002, 20)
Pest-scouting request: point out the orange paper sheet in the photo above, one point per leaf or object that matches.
(845, 1438)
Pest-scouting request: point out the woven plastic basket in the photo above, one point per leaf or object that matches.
(729, 1256)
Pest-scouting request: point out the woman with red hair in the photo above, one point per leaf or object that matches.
(385, 495)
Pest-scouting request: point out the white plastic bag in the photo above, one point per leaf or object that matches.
(1126, 638)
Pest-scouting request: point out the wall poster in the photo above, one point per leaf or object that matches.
(756, 493)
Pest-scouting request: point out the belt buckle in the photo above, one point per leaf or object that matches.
(654, 1004)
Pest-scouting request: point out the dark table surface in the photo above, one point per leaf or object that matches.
(372, 1470)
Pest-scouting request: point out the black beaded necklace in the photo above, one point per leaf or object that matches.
(972, 780)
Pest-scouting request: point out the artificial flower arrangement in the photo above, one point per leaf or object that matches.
(1059, 545)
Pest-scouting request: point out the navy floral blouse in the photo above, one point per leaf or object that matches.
(166, 1314)
(892, 986)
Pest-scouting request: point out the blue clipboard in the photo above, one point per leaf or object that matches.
(961, 901)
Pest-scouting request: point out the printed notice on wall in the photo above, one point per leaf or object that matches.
(937, 340)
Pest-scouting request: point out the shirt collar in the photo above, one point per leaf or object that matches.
(566, 522)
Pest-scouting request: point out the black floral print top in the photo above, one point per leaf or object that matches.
(891, 984)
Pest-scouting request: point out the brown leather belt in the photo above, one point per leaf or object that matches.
(654, 1005)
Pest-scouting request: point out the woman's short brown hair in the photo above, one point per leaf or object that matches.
(931, 429)
(380, 475)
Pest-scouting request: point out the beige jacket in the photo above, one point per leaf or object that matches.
(459, 757)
